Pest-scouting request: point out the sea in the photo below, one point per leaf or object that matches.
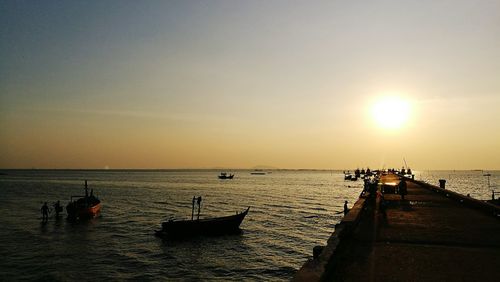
(291, 211)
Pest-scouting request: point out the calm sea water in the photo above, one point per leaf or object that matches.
(291, 212)
(474, 183)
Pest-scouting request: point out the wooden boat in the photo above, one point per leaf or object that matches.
(208, 226)
(224, 175)
(85, 207)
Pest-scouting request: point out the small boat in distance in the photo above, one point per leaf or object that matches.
(258, 172)
(86, 207)
(349, 176)
(223, 175)
(208, 226)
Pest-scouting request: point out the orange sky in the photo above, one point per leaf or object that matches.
(239, 84)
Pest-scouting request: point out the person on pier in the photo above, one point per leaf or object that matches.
(382, 204)
(199, 206)
(402, 189)
(192, 208)
(346, 209)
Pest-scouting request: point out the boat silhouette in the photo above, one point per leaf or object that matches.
(223, 175)
(208, 226)
(85, 207)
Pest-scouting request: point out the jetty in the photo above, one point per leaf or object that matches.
(432, 235)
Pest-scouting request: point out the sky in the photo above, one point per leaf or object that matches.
(237, 84)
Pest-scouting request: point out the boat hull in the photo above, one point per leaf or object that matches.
(226, 177)
(84, 212)
(211, 226)
(90, 212)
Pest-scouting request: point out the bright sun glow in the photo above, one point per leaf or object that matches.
(391, 112)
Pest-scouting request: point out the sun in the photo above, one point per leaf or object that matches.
(391, 112)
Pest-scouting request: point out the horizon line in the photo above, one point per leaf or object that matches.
(252, 168)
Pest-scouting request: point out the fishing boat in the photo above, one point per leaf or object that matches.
(208, 226)
(223, 175)
(258, 172)
(84, 207)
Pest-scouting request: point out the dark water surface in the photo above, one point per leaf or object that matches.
(291, 212)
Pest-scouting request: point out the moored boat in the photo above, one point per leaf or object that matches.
(208, 226)
(85, 207)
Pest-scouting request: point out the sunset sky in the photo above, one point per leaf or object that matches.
(288, 84)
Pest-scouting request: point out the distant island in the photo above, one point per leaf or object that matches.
(264, 167)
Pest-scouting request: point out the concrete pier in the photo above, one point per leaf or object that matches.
(432, 235)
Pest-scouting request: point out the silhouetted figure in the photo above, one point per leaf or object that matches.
(58, 208)
(373, 189)
(199, 206)
(192, 208)
(383, 205)
(45, 212)
(402, 188)
(346, 209)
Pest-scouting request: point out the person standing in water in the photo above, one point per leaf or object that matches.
(57, 208)
(45, 212)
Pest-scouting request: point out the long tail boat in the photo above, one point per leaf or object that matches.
(224, 175)
(85, 207)
(208, 226)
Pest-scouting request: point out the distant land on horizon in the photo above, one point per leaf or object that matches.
(234, 169)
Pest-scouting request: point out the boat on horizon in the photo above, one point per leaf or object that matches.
(208, 226)
(85, 207)
(349, 176)
(223, 175)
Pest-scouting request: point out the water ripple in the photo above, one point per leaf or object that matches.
(290, 213)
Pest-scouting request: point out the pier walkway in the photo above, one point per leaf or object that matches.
(432, 235)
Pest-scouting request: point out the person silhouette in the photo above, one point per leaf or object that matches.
(199, 206)
(45, 212)
(383, 204)
(402, 189)
(57, 208)
(192, 208)
(346, 209)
